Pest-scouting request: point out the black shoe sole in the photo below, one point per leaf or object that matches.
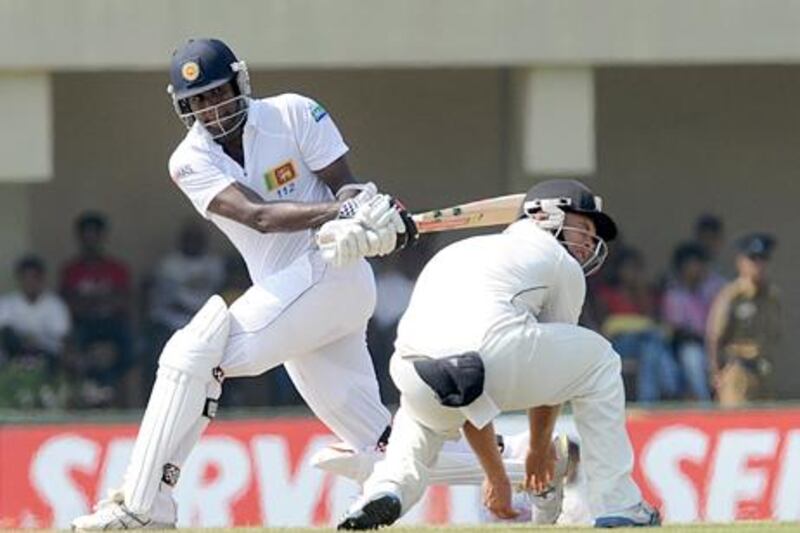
(382, 511)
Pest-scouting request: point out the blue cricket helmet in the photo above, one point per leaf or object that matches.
(201, 65)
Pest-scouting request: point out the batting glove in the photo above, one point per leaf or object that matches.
(344, 241)
(351, 206)
(410, 236)
(380, 216)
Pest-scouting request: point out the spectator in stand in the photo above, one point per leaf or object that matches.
(744, 326)
(710, 235)
(181, 283)
(34, 324)
(685, 307)
(96, 288)
(627, 308)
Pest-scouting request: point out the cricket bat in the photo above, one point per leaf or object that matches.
(496, 211)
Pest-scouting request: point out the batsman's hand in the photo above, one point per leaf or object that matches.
(351, 204)
(497, 498)
(380, 216)
(384, 214)
(540, 466)
(344, 241)
(411, 235)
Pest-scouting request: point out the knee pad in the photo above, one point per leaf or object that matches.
(457, 380)
(197, 348)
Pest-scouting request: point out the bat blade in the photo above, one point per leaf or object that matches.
(481, 213)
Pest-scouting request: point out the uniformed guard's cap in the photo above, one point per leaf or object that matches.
(572, 196)
(199, 66)
(756, 245)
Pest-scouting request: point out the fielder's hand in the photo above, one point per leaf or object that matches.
(540, 467)
(497, 498)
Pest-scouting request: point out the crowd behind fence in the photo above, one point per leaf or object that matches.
(84, 335)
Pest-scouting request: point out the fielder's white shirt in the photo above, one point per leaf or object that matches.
(472, 286)
(45, 320)
(286, 139)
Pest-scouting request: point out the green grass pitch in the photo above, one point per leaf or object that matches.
(740, 527)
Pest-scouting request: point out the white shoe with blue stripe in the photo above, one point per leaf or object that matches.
(640, 515)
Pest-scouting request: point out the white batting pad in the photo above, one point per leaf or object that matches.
(173, 420)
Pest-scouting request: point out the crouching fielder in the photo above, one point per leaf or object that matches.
(481, 337)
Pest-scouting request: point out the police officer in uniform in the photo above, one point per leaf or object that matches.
(744, 326)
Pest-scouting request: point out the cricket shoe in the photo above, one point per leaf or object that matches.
(112, 513)
(342, 460)
(381, 509)
(640, 515)
(546, 506)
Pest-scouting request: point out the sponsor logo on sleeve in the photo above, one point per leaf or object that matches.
(183, 171)
(318, 112)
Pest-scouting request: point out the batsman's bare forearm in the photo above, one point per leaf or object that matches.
(292, 216)
(243, 205)
(484, 443)
(542, 423)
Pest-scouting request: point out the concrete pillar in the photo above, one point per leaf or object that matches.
(15, 236)
(555, 122)
(26, 138)
(26, 155)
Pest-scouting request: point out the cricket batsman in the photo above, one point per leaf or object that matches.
(491, 327)
(270, 174)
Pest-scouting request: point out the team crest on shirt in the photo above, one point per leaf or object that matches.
(281, 179)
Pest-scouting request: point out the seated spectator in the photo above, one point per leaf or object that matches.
(185, 279)
(685, 307)
(179, 286)
(34, 323)
(626, 306)
(744, 326)
(709, 234)
(96, 288)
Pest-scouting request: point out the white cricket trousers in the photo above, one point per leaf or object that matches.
(318, 333)
(527, 365)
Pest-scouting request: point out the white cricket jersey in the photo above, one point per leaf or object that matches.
(472, 286)
(286, 139)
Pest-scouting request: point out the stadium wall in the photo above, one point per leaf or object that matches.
(695, 465)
